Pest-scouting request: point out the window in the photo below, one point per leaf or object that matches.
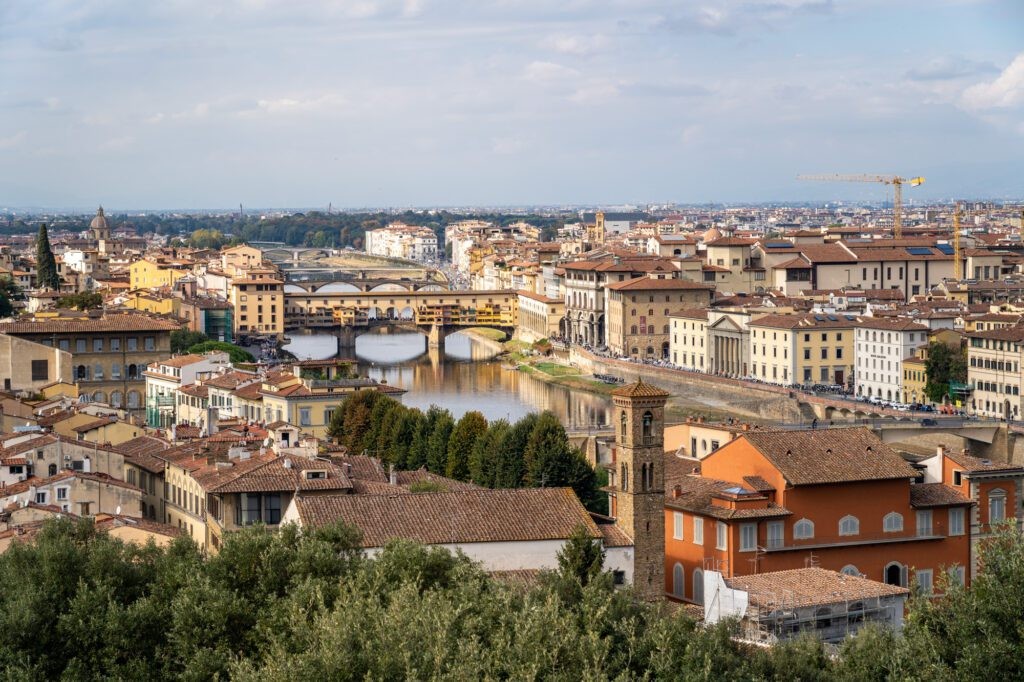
(678, 581)
(893, 522)
(62, 493)
(956, 575)
(41, 497)
(803, 529)
(97, 345)
(698, 586)
(850, 569)
(776, 534)
(79, 345)
(133, 344)
(721, 535)
(849, 525)
(824, 353)
(677, 526)
(996, 505)
(923, 576)
(698, 530)
(956, 521)
(748, 537)
(40, 370)
(149, 343)
(115, 344)
(64, 344)
(924, 522)
(305, 416)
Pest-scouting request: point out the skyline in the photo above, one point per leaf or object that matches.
(419, 103)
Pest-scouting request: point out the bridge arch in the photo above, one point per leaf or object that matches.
(390, 286)
(337, 288)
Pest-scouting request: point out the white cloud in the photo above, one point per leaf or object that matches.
(546, 72)
(12, 140)
(289, 105)
(597, 91)
(690, 134)
(506, 145)
(579, 46)
(1007, 90)
(155, 118)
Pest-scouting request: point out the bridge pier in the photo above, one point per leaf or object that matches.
(346, 338)
(435, 337)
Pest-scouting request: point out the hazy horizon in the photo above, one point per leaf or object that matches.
(442, 103)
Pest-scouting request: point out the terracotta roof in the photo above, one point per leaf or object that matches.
(804, 587)
(107, 522)
(972, 464)
(697, 492)
(361, 467)
(516, 515)
(613, 536)
(139, 451)
(803, 321)
(108, 323)
(640, 389)
(1014, 334)
(896, 324)
(280, 474)
(95, 424)
(822, 456)
(692, 314)
(230, 379)
(658, 284)
(731, 241)
(181, 360)
(421, 475)
(935, 495)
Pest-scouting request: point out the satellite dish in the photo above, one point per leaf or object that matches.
(118, 510)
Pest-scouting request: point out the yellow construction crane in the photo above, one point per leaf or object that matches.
(897, 189)
(957, 263)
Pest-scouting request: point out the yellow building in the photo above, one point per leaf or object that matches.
(238, 259)
(308, 393)
(539, 317)
(994, 361)
(150, 274)
(153, 303)
(802, 349)
(258, 305)
(915, 377)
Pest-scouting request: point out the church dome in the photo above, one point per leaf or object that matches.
(100, 221)
(712, 234)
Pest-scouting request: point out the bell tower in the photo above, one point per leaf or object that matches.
(639, 489)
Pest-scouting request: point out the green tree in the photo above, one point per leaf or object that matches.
(483, 460)
(183, 339)
(9, 291)
(470, 427)
(46, 265)
(236, 354)
(437, 442)
(945, 364)
(581, 557)
(80, 301)
(510, 468)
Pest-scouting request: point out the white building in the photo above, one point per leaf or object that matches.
(164, 378)
(881, 346)
(399, 240)
(504, 530)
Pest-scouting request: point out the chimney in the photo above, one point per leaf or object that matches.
(746, 427)
(392, 475)
(940, 450)
(677, 491)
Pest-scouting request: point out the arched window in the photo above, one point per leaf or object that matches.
(849, 525)
(678, 581)
(622, 424)
(51, 470)
(893, 522)
(823, 618)
(99, 397)
(996, 505)
(803, 529)
(116, 398)
(895, 574)
(698, 586)
(650, 476)
(152, 512)
(81, 372)
(632, 330)
(133, 399)
(851, 570)
(855, 612)
(647, 426)
(133, 372)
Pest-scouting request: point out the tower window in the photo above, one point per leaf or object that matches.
(647, 428)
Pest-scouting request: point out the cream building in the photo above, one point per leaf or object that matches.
(814, 348)
(994, 361)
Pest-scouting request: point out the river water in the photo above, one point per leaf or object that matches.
(465, 376)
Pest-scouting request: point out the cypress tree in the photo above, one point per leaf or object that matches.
(46, 264)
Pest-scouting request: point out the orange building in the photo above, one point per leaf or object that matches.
(840, 499)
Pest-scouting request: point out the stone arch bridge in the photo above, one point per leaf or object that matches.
(433, 313)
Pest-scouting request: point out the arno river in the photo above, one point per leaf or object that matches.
(466, 377)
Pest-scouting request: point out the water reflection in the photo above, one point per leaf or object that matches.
(465, 377)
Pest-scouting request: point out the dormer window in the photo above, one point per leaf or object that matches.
(313, 474)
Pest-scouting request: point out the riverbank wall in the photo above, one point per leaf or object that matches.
(763, 401)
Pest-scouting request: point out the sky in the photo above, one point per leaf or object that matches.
(391, 103)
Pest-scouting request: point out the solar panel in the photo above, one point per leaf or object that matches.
(819, 318)
(919, 251)
(945, 248)
(833, 318)
(777, 245)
